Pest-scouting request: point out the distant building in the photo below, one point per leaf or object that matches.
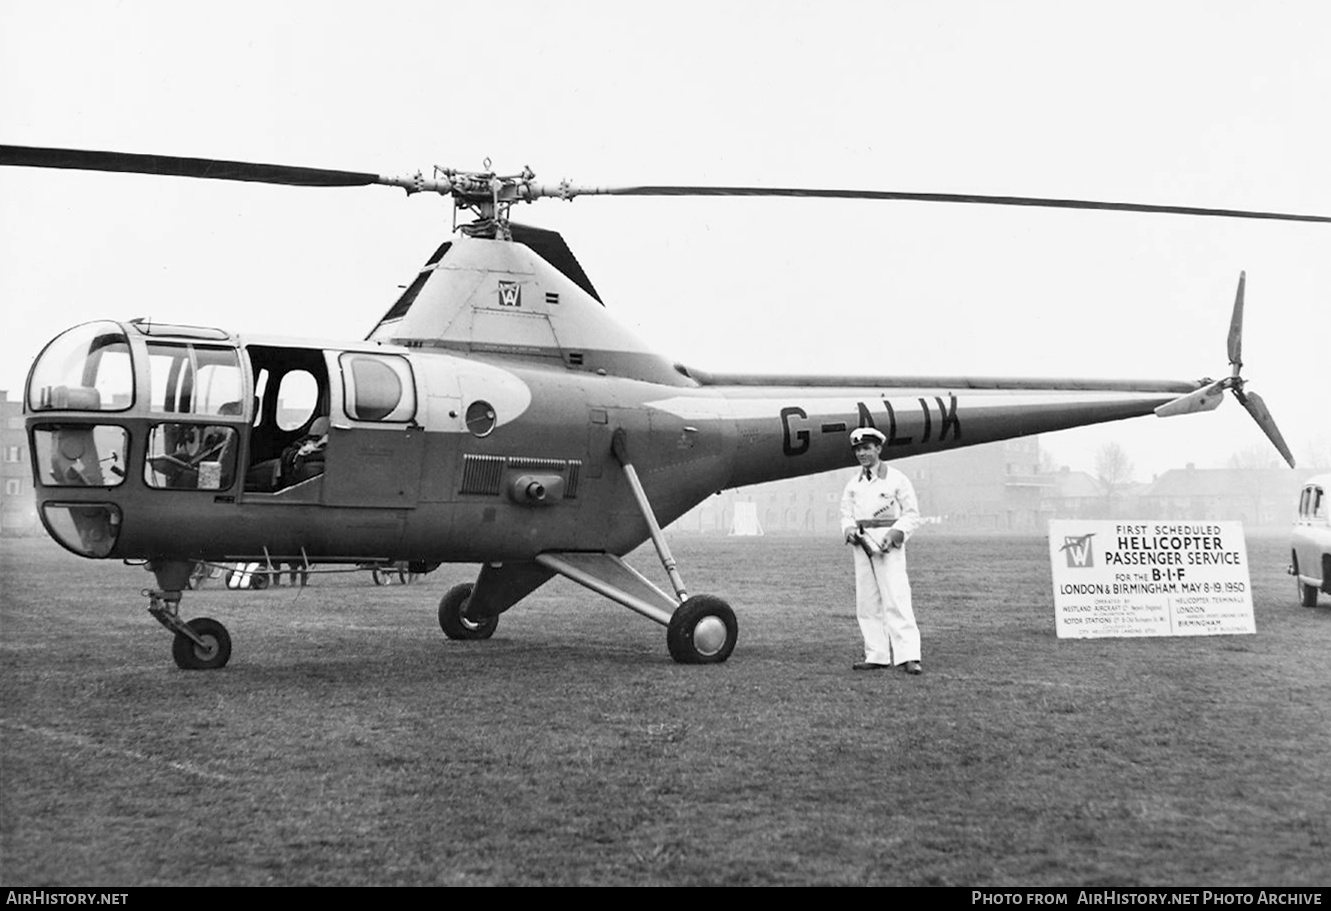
(992, 487)
(1080, 495)
(18, 510)
(1073, 495)
(1254, 496)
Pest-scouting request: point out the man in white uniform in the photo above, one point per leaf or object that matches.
(878, 514)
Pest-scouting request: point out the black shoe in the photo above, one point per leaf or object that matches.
(868, 666)
(912, 667)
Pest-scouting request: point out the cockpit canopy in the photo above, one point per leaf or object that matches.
(90, 368)
(86, 368)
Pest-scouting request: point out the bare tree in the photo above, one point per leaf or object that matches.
(1316, 453)
(1252, 463)
(1113, 469)
(1048, 462)
(1258, 455)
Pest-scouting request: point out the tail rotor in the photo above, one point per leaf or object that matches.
(1209, 395)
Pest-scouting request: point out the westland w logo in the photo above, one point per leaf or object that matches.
(1078, 550)
(510, 294)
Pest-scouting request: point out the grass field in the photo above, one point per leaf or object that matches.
(349, 743)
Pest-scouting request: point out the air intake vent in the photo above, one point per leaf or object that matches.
(482, 474)
(522, 463)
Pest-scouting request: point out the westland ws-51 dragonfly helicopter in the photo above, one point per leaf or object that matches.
(496, 415)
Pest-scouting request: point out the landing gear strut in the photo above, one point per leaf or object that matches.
(699, 630)
(202, 644)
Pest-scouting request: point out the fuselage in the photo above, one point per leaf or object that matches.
(474, 425)
(440, 466)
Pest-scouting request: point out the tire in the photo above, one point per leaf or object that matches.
(1307, 593)
(703, 630)
(191, 657)
(454, 624)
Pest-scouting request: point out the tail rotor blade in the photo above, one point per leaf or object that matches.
(1257, 408)
(1236, 329)
(1207, 398)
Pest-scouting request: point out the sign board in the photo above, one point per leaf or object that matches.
(1149, 578)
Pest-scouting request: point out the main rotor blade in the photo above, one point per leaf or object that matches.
(170, 165)
(1257, 408)
(568, 192)
(1235, 345)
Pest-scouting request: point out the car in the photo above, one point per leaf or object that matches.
(1310, 546)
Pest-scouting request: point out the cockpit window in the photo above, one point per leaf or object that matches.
(87, 368)
(80, 455)
(193, 379)
(191, 456)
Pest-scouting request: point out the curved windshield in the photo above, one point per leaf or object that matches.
(84, 369)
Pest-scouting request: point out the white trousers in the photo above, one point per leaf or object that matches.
(882, 604)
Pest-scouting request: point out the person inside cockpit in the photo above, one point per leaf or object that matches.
(300, 461)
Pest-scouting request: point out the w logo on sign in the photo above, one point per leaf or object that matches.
(1078, 550)
(510, 294)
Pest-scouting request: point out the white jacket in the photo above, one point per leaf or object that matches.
(888, 494)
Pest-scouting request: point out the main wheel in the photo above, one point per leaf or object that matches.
(1307, 593)
(452, 621)
(703, 630)
(214, 653)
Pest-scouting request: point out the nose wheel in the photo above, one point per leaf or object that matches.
(202, 644)
(208, 649)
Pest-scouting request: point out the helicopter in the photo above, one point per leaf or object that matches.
(496, 414)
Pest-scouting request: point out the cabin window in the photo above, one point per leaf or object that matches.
(85, 369)
(297, 399)
(191, 457)
(377, 387)
(1319, 510)
(80, 455)
(193, 379)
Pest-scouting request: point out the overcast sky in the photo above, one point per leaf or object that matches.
(1214, 103)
